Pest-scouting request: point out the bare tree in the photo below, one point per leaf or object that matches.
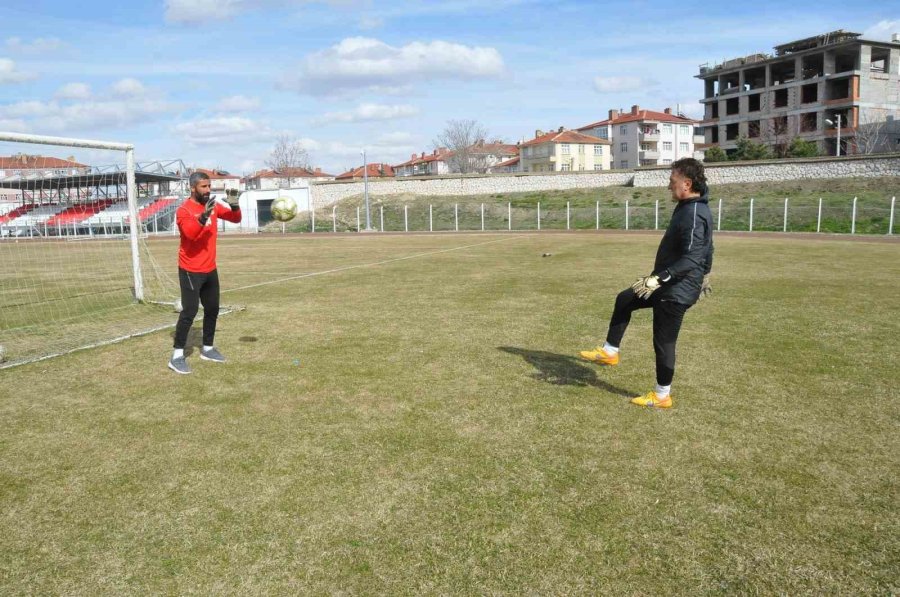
(461, 137)
(870, 136)
(287, 153)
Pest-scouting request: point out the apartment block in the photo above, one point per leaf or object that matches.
(564, 151)
(804, 89)
(646, 137)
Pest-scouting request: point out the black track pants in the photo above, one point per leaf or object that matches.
(667, 318)
(197, 289)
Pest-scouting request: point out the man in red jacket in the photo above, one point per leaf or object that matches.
(197, 220)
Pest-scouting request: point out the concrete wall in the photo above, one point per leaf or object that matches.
(463, 185)
(778, 170)
(326, 193)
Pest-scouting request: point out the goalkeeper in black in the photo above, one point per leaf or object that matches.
(679, 279)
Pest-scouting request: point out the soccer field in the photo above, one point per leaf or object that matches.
(404, 414)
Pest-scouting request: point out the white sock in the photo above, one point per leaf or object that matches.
(662, 391)
(177, 353)
(610, 349)
(207, 348)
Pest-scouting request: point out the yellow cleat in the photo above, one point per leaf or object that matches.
(600, 356)
(651, 399)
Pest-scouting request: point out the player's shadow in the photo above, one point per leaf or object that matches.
(194, 339)
(563, 370)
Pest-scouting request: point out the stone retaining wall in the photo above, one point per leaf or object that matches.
(326, 193)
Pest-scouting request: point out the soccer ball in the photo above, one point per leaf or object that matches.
(284, 209)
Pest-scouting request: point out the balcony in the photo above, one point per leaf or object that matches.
(649, 136)
(648, 154)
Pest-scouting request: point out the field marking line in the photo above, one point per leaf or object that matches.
(374, 263)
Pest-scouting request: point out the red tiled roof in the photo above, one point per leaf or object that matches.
(511, 162)
(566, 137)
(496, 149)
(290, 173)
(36, 162)
(217, 174)
(650, 115)
(373, 171)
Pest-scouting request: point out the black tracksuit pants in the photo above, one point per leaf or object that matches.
(667, 318)
(197, 289)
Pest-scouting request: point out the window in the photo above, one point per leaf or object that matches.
(565, 149)
(581, 149)
(604, 133)
(667, 161)
(598, 150)
(623, 129)
(581, 166)
(600, 166)
(667, 128)
(682, 147)
(624, 146)
(565, 167)
(667, 146)
(623, 164)
(683, 129)
(645, 147)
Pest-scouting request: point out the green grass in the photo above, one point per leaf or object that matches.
(421, 427)
(873, 208)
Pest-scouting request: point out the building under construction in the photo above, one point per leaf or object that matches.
(823, 88)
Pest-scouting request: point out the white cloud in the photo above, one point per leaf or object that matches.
(39, 45)
(87, 115)
(882, 30)
(9, 73)
(368, 22)
(369, 112)
(620, 84)
(224, 130)
(13, 125)
(74, 91)
(128, 87)
(237, 103)
(365, 63)
(184, 11)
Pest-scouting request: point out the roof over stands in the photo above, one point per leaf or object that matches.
(100, 176)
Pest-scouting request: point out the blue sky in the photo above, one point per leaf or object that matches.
(214, 82)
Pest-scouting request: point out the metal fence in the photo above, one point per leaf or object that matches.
(850, 216)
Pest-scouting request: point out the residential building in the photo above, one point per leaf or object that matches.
(432, 164)
(646, 137)
(373, 171)
(286, 178)
(27, 165)
(511, 165)
(564, 151)
(220, 180)
(803, 90)
(485, 156)
(23, 165)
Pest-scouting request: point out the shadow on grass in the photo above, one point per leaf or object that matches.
(564, 370)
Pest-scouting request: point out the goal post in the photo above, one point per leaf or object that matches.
(131, 193)
(77, 265)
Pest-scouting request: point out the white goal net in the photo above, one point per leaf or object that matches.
(77, 264)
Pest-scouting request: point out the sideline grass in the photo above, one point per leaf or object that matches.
(422, 427)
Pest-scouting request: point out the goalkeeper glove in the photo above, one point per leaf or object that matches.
(231, 196)
(644, 287)
(210, 206)
(705, 288)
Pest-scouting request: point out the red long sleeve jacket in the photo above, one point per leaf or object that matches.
(197, 253)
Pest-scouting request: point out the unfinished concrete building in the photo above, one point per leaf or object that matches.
(803, 90)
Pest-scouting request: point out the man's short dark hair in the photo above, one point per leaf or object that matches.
(693, 171)
(197, 177)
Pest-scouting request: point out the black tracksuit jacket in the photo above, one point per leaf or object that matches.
(686, 251)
